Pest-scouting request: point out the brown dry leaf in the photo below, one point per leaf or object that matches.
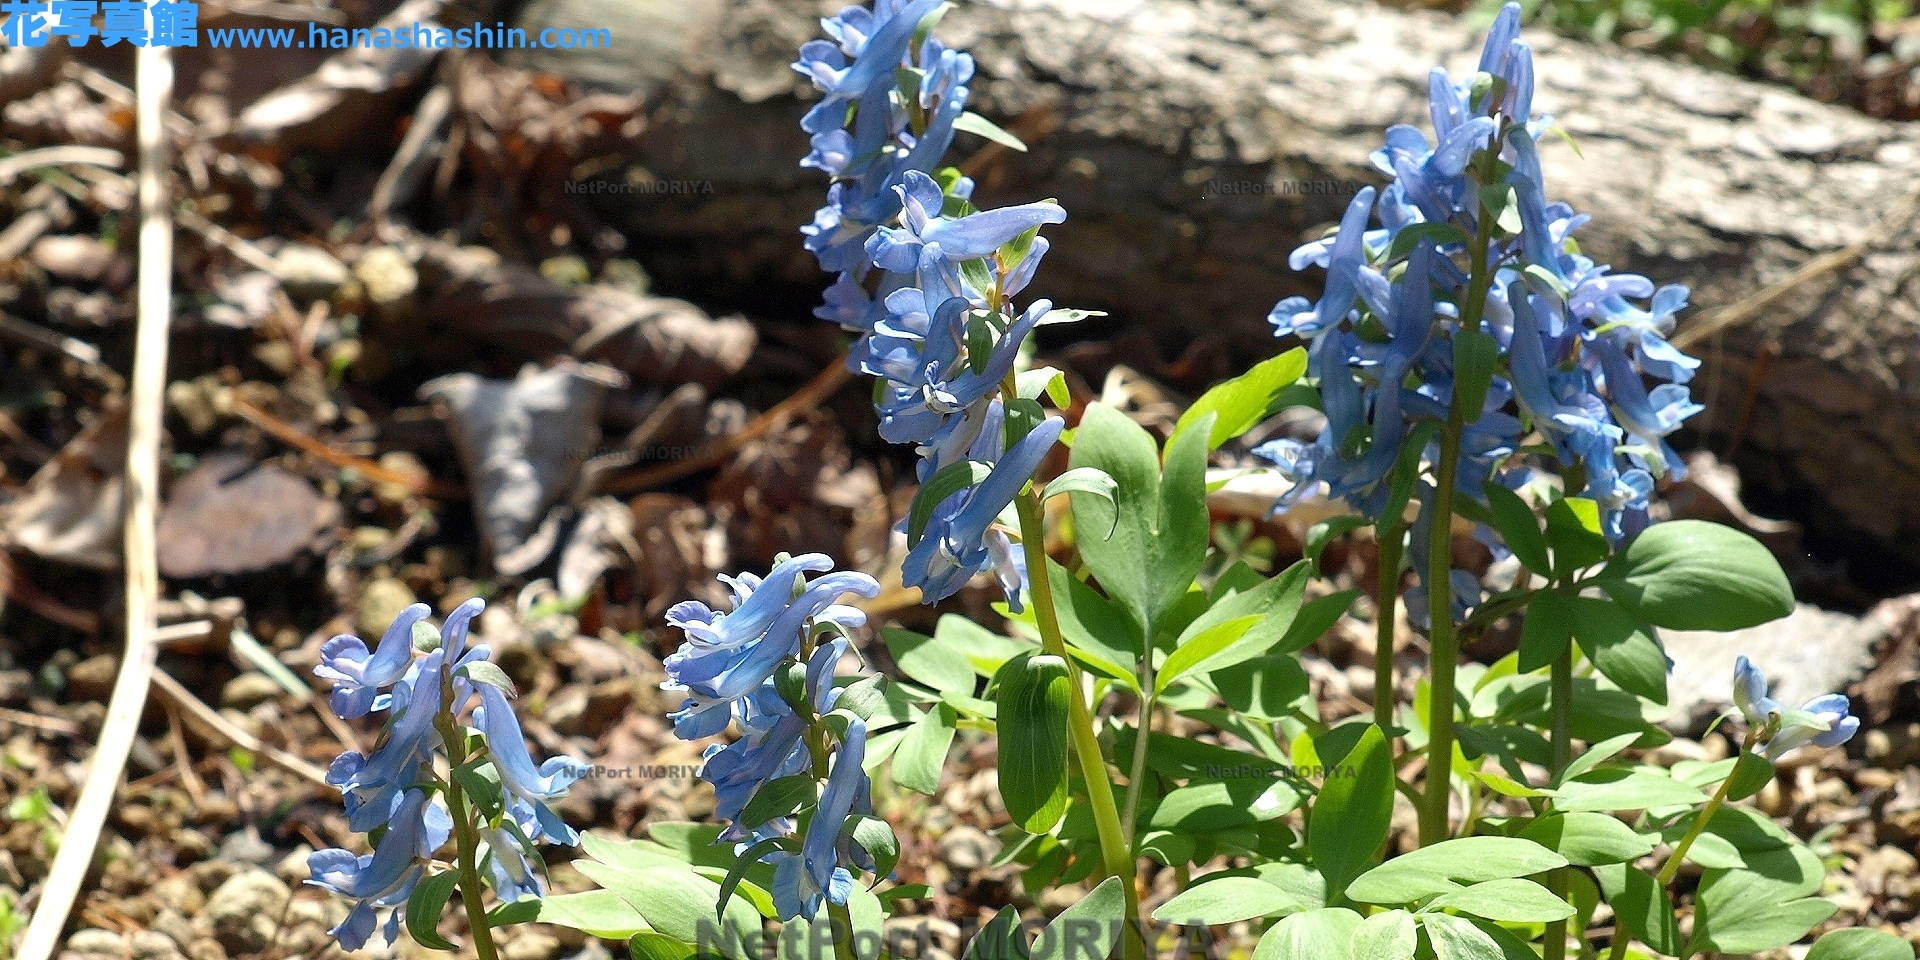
(682, 549)
(800, 485)
(229, 516)
(71, 509)
(602, 539)
(521, 443)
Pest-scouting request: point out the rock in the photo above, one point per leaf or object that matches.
(154, 945)
(309, 273)
(15, 686)
(387, 275)
(1808, 653)
(249, 690)
(243, 913)
(293, 868)
(967, 848)
(92, 678)
(103, 943)
(380, 602)
(206, 949)
(174, 926)
(71, 258)
(181, 892)
(1893, 746)
(247, 847)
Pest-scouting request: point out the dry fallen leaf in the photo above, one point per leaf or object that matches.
(71, 510)
(229, 516)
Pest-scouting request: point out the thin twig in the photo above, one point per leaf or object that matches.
(286, 433)
(154, 81)
(58, 725)
(210, 721)
(812, 395)
(1887, 226)
(196, 788)
(26, 160)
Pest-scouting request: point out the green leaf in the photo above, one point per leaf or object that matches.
(679, 904)
(1511, 901)
(1451, 864)
(1642, 906)
(1230, 899)
(1442, 234)
(1000, 939)
(1695, 575)
(1329, 530)
(1314, 620)
(1573, 531)
(1519, 528)
(1751, 774)
(876, 837)
(1588, 839)
(489, 673)
(1860, 943)
(1350, 819)
(1099, 632)
(424, 907)
(648, 945)
(1160, 535)
(1386, 936)
(1088, 480)
(1760, 908)
(1224, 805)
(1597, 754)
(597, 913)
(780, 798)
(481, 782)
(970, 122)
(1240, 627)
(1101, 913)
(939, 664)
(1049, 381)
(923, 751)
(949, 481)
(1457, 938)
(1620, 646)
(1476, 356)
(982, 650)
(1325, 934)
(1242, 402)
(748, 859)
(1625, 790)
(1033, 740)
(1545, 631)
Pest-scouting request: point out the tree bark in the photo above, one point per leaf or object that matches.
(1195, 144)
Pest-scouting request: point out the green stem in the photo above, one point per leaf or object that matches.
(840, 921)
(1444, 654)
(1672, 866)
(466, 841)
(1391, 547)
(1114, 849)
(1562, 753)
(1143, 732)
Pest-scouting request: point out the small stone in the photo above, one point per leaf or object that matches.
(249, 690)
(137, 820)
(247, 847)
(309, 273)
(206, 949)
(380, 603)
(15, 686)
(967, 848)
(216, 811)
(154, 945)
(103, 943)
(369, 539)
(386, 275)
(293, 868)
(244, 911)
(192, 846)
(71, 257)
(170, 923)
(92, 678)
(181, 892)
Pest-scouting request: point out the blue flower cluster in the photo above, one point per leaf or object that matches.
(1824, 721)
(925, 280)
(1576, 349)
(420, 686)
(729, 669)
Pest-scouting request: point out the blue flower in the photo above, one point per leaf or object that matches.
(875, 57)
(385, 877)
(1824, 721)
(960, 238)
(507, 747)
(358, 676)
(802, 881)
(954, 545)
